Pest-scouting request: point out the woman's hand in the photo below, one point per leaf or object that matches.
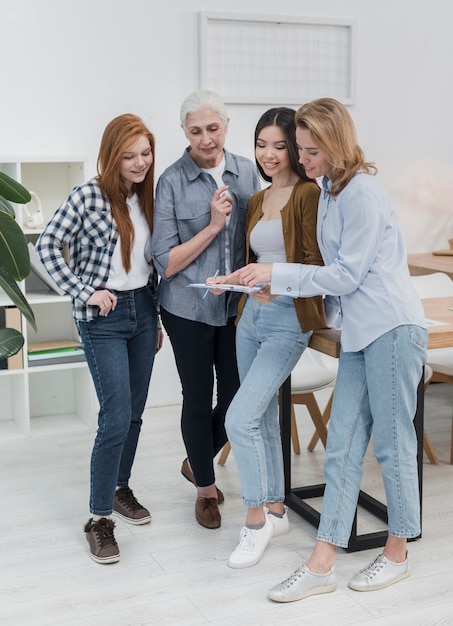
(221, 206)
(219, 280)
(160, 339)
(105, 300)
(263, 296)
(253, 274)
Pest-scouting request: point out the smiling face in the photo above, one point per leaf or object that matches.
(206, 132)
(136, 161)
(311, 157)
(271, 151)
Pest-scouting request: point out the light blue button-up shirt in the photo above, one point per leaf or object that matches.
(365, 258)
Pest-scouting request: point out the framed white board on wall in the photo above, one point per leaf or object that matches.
(275, 60)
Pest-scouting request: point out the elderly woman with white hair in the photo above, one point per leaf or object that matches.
(199, 229)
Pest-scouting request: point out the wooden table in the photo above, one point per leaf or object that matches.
(328, 342)
(428, 263)
(438, 309)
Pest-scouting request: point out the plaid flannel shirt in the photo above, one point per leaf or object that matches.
(85, 224)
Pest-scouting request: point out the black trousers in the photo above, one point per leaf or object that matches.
(204, 354)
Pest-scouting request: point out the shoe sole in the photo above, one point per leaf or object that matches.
(396, 580)
(106, 560)
(310, 592)
(130, 520)
(243, 565)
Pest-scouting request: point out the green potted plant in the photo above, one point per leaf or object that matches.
(14, 261)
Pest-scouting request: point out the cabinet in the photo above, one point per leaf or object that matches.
(46, 399)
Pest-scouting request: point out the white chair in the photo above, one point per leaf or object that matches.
(440, 360)
(314, 371)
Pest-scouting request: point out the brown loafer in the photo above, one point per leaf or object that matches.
(207, 512)
(188, 475)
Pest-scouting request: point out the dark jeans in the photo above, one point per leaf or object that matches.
(120, 351)
(200, 351)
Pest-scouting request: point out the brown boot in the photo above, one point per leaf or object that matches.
(207, 512)
(100, 537)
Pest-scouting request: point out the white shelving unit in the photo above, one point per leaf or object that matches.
(45, 399)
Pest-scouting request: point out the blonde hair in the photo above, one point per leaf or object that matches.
(118, 135)
(334, 132)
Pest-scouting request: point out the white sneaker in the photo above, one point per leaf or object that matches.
(379, 574)
(280, 524)
(252, 544)
(304, 583)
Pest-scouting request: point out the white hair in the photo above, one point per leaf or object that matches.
(200, 100)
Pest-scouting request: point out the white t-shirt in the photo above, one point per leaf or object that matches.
(216, 173)
(140, 255)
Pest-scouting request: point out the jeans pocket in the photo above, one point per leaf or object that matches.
(418, 335)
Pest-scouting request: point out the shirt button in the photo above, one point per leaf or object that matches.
(288, 289)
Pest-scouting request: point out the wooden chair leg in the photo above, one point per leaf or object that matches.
(427, 446)
(317, 418)
(294, 433)
(325, 418)
(225, 451)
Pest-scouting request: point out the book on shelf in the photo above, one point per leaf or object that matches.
(11, 317)
(55, 352)
(57, 360)
(52, 345)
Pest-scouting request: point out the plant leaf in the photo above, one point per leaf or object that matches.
(12, 190)
(14, 256)
(11, 341)
(11, 288)
(7, 207)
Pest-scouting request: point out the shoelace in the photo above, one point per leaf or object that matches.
(206, 503)
(246, 540)
(104, 529)
(125, 496)
(294, 577)
(374, 567)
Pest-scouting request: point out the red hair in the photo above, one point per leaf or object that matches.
(118, 135)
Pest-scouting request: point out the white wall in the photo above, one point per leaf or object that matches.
(67, 68)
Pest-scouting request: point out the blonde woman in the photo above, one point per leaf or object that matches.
(383, 349)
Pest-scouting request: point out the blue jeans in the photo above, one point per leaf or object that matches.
(269, 342)
(120, 351)
(375, 393)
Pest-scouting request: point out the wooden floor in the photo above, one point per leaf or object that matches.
(174, 571)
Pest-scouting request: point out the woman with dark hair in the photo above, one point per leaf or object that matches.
(107, 224)
(272, 332)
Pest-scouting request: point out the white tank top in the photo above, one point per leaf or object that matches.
(266, 241)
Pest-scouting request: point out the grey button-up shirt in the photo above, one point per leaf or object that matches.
(182, 209)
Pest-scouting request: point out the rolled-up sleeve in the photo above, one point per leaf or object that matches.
(166, 232)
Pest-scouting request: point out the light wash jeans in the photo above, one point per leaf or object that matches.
(119, 350)
(269, 342)
(375, 393)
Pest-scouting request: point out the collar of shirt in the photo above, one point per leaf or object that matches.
(193, 171)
